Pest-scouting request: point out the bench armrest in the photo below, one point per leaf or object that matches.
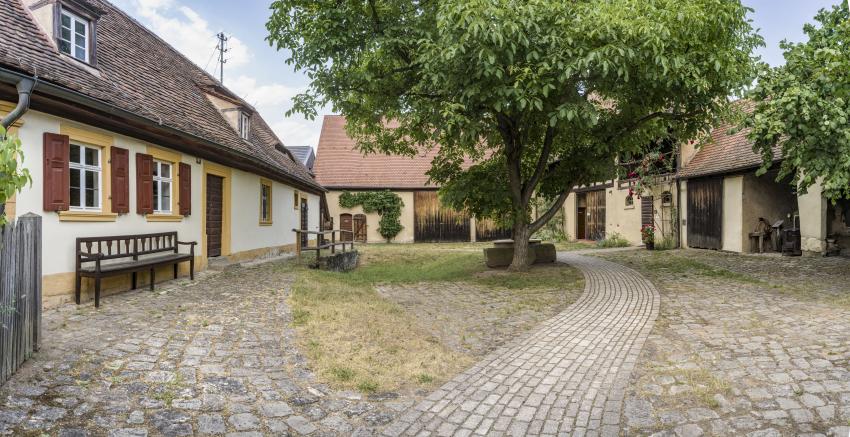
(187, 243)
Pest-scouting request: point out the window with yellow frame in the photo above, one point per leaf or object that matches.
(295, 200)
(265, 202)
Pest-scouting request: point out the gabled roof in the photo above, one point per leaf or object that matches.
(304, 154)
(727, 151)
(139, 73)
(339, 164)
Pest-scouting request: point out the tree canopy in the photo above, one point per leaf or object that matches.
(803, 107)
(537, 95)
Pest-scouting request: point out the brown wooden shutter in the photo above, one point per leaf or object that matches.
(120, 166)
(144, 183)
(185, 198)
(57, 174)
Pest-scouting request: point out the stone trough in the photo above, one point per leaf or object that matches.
(502, 253)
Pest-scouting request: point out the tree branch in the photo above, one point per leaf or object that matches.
(528, 188)
(543, 219)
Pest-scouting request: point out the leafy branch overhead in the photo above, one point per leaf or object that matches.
(386, 203)
(524, 98)
(13, 176)
(803, 107)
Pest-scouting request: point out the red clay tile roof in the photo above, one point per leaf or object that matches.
(726, 152)
(340, 165)
(140, 73)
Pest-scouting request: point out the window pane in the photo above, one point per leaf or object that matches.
(92, 189)
(66, 21)
(75, 153)
(166, 196)
(65, 34)
(91, 157)
(65, 47)
(80, 41)
(156, 194)
(75, 187)
(80, 28)
(156, 169)
(80, 54)
(166, 170)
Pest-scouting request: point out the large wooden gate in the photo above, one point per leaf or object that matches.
(435, 223)
(705, 213)
(595, 215)
(488, 230)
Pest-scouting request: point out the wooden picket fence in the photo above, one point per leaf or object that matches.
(20, 292)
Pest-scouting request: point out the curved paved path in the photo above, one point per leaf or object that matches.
(566, 378)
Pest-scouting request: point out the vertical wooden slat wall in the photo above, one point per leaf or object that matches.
(434, 222)
(20, 293)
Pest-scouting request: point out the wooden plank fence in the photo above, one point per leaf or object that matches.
(20, 293)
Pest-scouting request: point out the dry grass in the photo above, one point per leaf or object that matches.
(357, 339)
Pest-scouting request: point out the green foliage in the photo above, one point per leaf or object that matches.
(386, 203)
(539, 95)
(804, 107)
(668, 242)
(613, 240)
(13, 176)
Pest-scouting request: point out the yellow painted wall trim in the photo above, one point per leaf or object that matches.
(82, 135)
(225, 173)
(164, 217)
(87, 216)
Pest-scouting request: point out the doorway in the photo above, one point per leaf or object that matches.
(215, 185)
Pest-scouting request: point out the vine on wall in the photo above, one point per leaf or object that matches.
(386, 203)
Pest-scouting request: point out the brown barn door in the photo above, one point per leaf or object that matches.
(345, 225)
(705, 213)
(488, 230)
(435, 223)
(595, 215)
(305, 222)
(214, 200)
(360, 228)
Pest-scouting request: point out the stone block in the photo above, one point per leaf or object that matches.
(502, 255)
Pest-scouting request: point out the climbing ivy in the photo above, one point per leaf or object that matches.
(386, 203)
(13, 176)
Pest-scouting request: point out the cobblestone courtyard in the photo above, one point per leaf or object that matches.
(742, 345)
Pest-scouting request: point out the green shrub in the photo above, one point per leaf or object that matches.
(666, 243)
(613, 240)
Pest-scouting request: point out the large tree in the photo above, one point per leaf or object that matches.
(540, 95)
(803, 107)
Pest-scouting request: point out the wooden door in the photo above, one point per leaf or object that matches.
(705, 213)
(214, 201)
(595, 215)
(434, 222)
(345, 225)
(359, 225)
(647, 211)
(581, 223)
(305, 222)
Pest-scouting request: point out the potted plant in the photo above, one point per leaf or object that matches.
(647, 234)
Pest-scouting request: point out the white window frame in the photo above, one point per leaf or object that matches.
(244, 125)
(83, 168)
(158, 179)
(74, 20)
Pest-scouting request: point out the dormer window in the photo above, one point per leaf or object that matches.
(244, 125)
(75, 35)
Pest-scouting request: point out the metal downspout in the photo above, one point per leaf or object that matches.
(25, 87)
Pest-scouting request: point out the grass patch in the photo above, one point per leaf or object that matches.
(613, 240)
(672, 264)
(357, 339)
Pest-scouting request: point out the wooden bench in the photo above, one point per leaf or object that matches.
(129, 254)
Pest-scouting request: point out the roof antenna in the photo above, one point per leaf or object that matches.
(222, 49)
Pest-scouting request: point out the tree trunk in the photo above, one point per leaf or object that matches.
(521, 261)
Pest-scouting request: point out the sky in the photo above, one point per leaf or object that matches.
(258, 73)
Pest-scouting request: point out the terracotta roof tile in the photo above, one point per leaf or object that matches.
(139, 73)
(726, 152)
(339, 164)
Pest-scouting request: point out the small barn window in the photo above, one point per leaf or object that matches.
(630, 201)
(666, 198)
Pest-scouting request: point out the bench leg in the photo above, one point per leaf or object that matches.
(97, 292)
(192, 269)
(77, 288)
(153, 278)
(135, 280)
(175, 270)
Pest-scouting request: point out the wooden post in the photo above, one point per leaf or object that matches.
(297, 243)
(333, 242)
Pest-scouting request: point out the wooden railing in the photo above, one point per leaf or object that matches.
(322, 242)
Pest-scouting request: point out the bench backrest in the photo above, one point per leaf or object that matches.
(126, 246)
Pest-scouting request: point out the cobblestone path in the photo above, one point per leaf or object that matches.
(568, 377)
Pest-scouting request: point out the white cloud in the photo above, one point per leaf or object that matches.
(186, 30)
(264, 95)
(295, 131)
